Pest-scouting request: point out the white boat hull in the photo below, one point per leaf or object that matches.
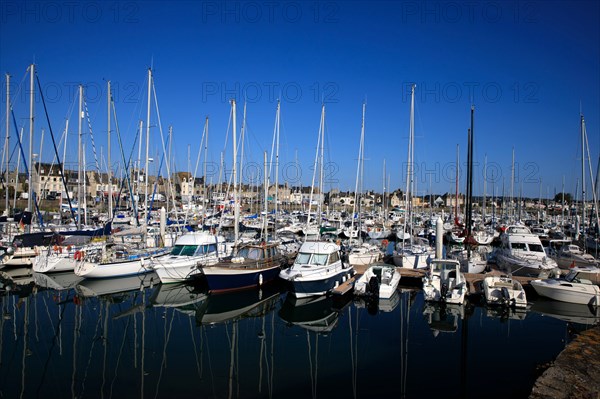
(386, 277)
(502, 290)
(565, 291)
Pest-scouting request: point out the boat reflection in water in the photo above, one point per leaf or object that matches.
(569, 312)
(375, 305)
(151, 340)
(443, 317)
(57, 281)
(505, 313)
(107, 286)
(183, 297)
(234, 305)
(317, 313)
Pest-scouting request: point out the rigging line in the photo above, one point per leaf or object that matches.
(126, 164)
(196, 168)
(54, 339)
(195, 348)
(16, 95)
(162, 139)
(62, 175)
(119, 357)
(40, 219)
(162, 158)
(89, 122)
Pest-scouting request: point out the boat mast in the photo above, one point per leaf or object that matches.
(484, 202)
(456, 188)
(265, 196)
(357, 186)
(512, 187)
(470, 176)
(108, 166)
(312, 186)
(236, 212)
(31, 98)
(84, 187)
(594, 197)
(6, 151)
(147, 146)
(407, 214)
(321, 166)
(204, 194)
(79, 159)
(275, 206)
(583, 217)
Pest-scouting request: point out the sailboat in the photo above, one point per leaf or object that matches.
(471, 260)
(251, 264)
(360, 253)
(417, 253)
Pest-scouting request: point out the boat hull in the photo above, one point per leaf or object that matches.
(304, 287)
(583, 294)
(504, 291)
(227, 278)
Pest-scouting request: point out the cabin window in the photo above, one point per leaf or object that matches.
(319, 259)
(334, 257)
(205, 249)
(518, 245)
(254, 253)
(184, 250)
(302, 258)
(536, 248)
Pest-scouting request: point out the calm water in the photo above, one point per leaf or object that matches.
(128, 338)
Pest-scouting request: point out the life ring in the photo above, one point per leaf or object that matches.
(55, 248)
(77, 255)
(385, 243)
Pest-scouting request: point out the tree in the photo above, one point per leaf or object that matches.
(559, 197)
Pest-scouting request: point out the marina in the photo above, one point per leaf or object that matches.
(300, 199)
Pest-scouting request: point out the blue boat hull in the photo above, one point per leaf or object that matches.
(225, 281)
(318, 287)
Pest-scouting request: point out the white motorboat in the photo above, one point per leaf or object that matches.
(444, 282)
(318, 269)
(191, 252)
(570, 255)
(521, 253)
(380, 280)
(504, 290)
(572, 288)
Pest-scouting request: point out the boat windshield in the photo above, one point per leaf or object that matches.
(191, 250)
(251, 253)
(304, 258)
(518, 230)
(536, 248)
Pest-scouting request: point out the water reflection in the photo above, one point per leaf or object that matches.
(133, 337)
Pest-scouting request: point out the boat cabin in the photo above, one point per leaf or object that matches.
(257, 252)
(317, 254)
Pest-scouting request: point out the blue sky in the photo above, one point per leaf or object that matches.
(528, 67)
